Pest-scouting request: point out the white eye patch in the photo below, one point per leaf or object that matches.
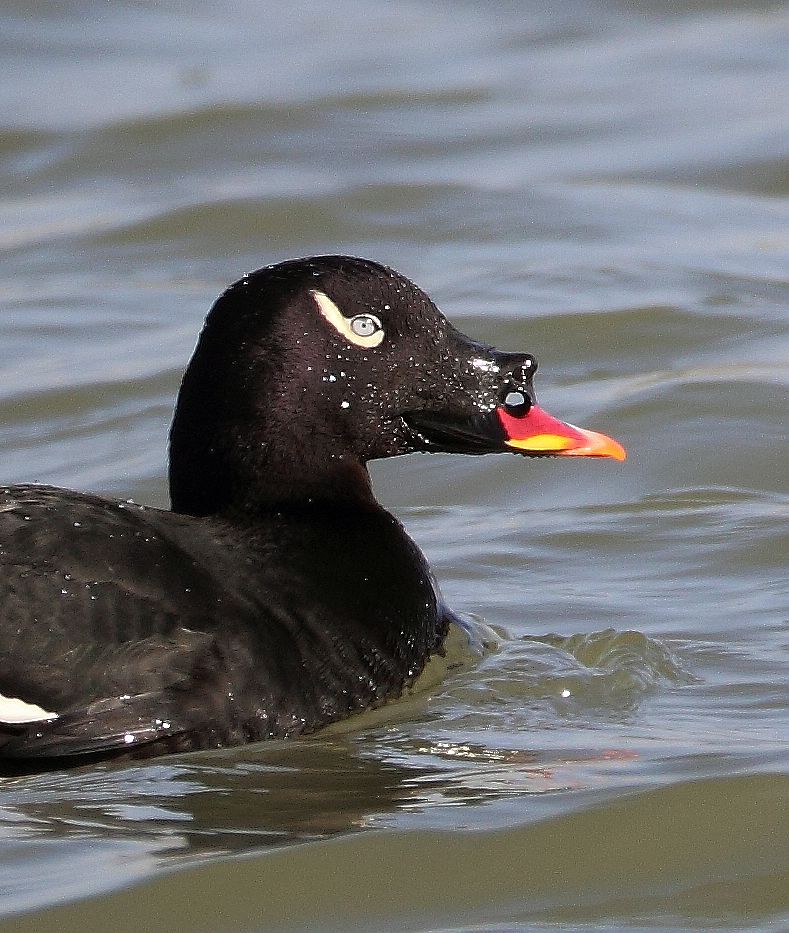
(362, 330)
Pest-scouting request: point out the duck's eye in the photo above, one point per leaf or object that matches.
(362, 330)
(365, 325)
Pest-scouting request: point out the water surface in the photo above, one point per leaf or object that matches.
(602, 184)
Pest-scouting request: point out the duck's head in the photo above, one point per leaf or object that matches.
(307, 369)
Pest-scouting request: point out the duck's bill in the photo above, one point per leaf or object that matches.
(534, 434)
(537, 433)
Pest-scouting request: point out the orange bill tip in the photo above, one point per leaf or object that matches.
(538, 432)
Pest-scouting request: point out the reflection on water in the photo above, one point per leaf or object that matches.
(375, 771)
(659, 851)
(280, 791)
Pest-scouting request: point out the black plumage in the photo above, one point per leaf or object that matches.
(277, 596)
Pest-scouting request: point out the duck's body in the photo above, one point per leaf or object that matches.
(195, 632)
(279, 596)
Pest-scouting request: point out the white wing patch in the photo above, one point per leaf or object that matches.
(18, 711)
(344, 325)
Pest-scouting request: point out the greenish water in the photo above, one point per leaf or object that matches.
(602, 184)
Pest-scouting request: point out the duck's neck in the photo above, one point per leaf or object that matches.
(212, 485)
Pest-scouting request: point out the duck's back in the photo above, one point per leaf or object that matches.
(122, 626)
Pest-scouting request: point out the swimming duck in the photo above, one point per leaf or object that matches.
(277, 596)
